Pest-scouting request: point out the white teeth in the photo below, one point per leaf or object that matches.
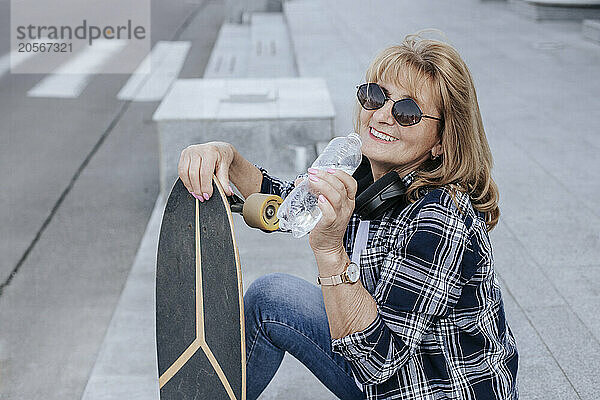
(382, 136)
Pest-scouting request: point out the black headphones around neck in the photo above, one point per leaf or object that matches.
(375, 198)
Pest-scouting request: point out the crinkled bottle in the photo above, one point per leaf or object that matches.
(299, 211)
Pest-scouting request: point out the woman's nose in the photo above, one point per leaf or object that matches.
(384, 114)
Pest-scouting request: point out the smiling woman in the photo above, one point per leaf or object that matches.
(433, 74)
(425, 318)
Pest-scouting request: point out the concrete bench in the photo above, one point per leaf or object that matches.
(271, 54)
(229, 58)
(238, 10)
(275, 123)
(261, 49)
(557, 9)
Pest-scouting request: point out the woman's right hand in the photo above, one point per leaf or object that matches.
(199, 162)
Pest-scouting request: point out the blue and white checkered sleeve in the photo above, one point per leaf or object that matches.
(420, 281)
(272, 185)
(376, 353)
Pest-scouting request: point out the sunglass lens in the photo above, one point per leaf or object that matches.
(406, 112)
(370, 96)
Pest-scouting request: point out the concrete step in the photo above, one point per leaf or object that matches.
(126, 366)
(557, 9)
(591, 29)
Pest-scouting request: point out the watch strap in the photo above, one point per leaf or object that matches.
(331, 280)
(334, 279)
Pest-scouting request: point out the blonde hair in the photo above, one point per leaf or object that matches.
(466, 160)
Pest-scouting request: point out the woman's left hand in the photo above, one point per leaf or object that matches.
(337, 191)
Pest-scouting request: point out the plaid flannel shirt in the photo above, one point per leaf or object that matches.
(440, 330)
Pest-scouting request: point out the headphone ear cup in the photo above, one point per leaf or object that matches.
(380, 196)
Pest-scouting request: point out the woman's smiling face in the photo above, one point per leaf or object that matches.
(406, 147)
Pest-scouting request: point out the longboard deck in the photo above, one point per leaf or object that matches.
(199, 301)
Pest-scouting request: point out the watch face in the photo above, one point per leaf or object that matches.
(353, 272)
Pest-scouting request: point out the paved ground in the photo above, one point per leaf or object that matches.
(538, 86)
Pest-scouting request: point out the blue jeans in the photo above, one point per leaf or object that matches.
(286, 313)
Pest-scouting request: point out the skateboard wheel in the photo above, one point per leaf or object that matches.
(260, 211)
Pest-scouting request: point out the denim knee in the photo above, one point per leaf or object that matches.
(285, 298)
(267, 294)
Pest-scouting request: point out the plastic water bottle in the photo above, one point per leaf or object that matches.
(299, 211)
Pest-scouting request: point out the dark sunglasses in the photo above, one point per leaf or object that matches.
(405, 111)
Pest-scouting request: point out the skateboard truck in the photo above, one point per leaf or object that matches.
(258, 210)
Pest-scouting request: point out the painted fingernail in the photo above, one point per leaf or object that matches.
(313, 178)
(206, 196)
(312, 170)
(322, 198)
(331, 170)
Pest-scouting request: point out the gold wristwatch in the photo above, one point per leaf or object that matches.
(350, 275)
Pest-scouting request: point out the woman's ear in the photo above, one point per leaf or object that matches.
(436, 150)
